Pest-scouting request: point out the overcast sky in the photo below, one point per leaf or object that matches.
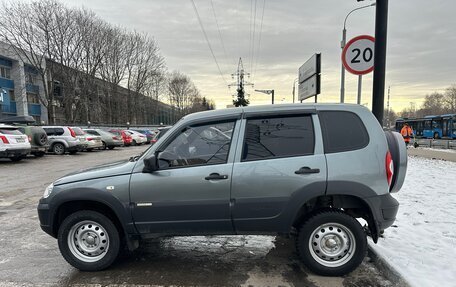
(421, 56)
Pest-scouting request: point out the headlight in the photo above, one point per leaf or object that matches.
(48, 190)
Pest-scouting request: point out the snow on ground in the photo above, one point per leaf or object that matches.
(421, 245)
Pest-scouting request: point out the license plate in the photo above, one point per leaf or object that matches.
(20, 140)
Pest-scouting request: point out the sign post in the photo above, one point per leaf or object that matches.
(358, 58)
(309, 78)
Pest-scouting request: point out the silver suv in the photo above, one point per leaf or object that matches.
(304, 170)
(63, 139)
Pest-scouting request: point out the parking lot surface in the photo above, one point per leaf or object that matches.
(29, 257)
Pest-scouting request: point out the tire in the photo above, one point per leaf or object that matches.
(58, 149)
(336, 229)
(74, 235)
(40, 138)
(39, 154)
(104, 146)
(134, 143)
(111, 147)
(73, 152)
(17, 158)
(89, 149)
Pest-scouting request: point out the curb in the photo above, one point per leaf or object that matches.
(386, 268)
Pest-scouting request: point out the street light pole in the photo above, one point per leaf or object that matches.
(268, 92)
(342, 45)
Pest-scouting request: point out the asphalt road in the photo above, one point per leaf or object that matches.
(29, 257)
(449, 155)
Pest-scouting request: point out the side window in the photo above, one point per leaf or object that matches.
(59, 131)
(198, 145)
(49, 131)
(277, 137)
(342, 131)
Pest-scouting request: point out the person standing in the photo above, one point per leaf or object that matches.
(407, 133)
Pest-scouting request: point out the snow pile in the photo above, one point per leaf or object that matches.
(421, 245)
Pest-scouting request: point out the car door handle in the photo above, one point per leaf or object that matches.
(306, 170)
(215, 176)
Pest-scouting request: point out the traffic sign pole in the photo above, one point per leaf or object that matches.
(360, 83)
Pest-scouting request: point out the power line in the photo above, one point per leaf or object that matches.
(219, 31)
(259, 41)
(207, 40)
(252, 60)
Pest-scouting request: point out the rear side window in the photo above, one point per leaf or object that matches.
(278, 137)
(58, 131)
(10, 131)
(49, 131)
(342, 131)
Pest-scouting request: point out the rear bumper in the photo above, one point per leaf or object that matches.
(14, 152)
(384, 209)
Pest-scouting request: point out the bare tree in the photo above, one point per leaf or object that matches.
(450, 99)
(182, 92)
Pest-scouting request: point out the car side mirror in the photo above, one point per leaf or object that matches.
(150, 164)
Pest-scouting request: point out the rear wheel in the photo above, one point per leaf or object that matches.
(39, 154)
(17, 158)
(90, 149)
(331, 243)
(134, 143)
(111, 147)
(104, 146)
(88, 240)
(73, 152)
(58, 149)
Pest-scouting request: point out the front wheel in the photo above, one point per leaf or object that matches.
(331, 243)
(88, 240)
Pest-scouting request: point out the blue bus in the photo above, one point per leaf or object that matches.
(437, 127)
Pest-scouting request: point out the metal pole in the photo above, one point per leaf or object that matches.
(360, 83)
(272, 96)
(342, 71)
(315, 98)
(381, 28)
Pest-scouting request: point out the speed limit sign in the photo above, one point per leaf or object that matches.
(358, 55)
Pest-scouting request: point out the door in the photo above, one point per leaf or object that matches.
(190, 192)
(281, 163)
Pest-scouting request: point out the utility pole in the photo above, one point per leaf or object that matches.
(240, 95)
(381, 28)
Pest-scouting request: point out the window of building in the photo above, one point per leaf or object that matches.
(11, 95)
(32, 98)
(278, 137)
(30, 78)
(342, 131)
(198, 145)
(5, 72)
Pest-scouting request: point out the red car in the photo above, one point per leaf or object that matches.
(125, 136)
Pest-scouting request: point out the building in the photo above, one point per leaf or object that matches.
(20, 86)
(22, 91)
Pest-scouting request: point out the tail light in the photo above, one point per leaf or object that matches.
(72, 133)
(114, 138)
(153, 141)
(4, 139)
(89, 139)
(389, 166)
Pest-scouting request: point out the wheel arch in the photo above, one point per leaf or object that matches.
(352, 205)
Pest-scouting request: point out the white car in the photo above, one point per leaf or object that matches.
(137, 137)
(92, 141)
(13, 144)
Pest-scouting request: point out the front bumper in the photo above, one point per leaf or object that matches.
(14, 152)
(44, 215)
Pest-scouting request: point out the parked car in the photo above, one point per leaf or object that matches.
(126, 137)
(63, 139)
(13, 144)
(148, 133)
(93, 142)
(309, 171)
(161, 132)
(108, 140)
(136, 137)
(36, 134)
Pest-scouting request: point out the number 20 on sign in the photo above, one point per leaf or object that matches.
(358, 55)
